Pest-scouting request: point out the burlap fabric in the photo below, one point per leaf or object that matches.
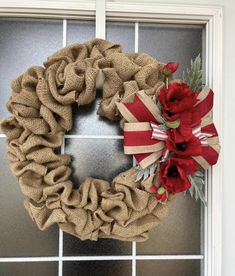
(41, 106)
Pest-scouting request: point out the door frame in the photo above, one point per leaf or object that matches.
(138, 11)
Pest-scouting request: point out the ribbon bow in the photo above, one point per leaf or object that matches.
(160, 134)
(144, 138)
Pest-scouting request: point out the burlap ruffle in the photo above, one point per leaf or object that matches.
(41, 106)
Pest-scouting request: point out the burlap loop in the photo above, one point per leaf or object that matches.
(41, 106)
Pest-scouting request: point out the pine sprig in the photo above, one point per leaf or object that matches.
(193, 75)
(197, 183)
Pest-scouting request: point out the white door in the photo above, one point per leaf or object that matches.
(177, 246)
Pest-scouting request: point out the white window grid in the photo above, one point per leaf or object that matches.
(132, 257)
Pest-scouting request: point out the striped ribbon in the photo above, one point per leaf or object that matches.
(160, 134)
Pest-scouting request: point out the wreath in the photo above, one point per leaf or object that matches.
(167, 126)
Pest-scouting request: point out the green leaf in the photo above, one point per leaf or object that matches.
(197, 183)
(143, 174)
(174, 124)
(193, 75)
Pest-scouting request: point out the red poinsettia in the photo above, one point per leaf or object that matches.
(183, 145)
(174, 172)
(176, 99)
(170, 68)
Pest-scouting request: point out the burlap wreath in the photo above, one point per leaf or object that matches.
(41, 106)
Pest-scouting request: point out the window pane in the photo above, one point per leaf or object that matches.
(98, 158)
(24, 44)
(80, 31)
(74, 246)
(122, 33)
(86, 121)
(179, 232)
(171, 43)
(168, 268)
(19, 234)
(97, 268)
(29, 269)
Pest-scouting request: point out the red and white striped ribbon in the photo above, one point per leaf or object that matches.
(161, 135)
(202, 136)
(158, 133)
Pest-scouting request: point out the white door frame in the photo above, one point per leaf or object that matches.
(212, 18)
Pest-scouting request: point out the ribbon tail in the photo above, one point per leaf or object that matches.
(139, 107)
(146, 160)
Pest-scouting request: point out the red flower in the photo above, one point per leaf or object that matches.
(170, 68)
(183, 145)
(175, 100)
(174, 172)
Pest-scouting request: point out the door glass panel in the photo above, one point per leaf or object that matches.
(87, 122)
(29, 269)
(177, 43)
(168, 268)
(18, 39)
(24, 44)
(180, 232)
(74, 246)
(122, 33)
(98, 158)
(80, 31)
(19, 235)
(97, 268)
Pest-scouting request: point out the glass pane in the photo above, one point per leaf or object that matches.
(29, 269)
(98, 158)
(86, 121)
(179, 232)
(122, 33)
(97, 268)
(75, 247)
(171, 43)
(168, 268)
(80, 31)
(19, 234)
(18, 40)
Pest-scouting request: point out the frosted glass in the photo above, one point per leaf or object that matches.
(86, 121)
(177, 43)
(122, 33)
(74, 246)
(98, 158)
(168, 268)
(80, 31)
(97, 268)
(19, 234)
(179, 232)
(29, 269)
(24, 44)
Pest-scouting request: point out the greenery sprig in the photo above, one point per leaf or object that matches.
(193, 75)
(197, 186)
